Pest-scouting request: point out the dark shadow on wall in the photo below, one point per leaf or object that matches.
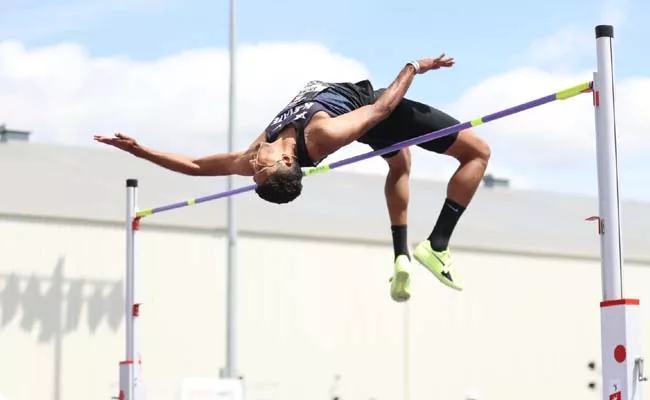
(56, 305)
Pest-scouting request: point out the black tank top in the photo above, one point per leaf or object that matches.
(333, 98)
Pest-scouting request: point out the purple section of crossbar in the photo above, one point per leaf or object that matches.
(204, 199)
(444, 132)
(397, 146)
(520, 108)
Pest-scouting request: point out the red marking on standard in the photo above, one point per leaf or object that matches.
(136, 310)
(620, 302)
(130, 362)
(596, 98)
(620, 354)
(596, 218)
(615, 396)
(136, 223)
(121, 395)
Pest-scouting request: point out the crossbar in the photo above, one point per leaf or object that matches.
(561, 95)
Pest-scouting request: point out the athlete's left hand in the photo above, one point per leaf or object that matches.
(429, 64)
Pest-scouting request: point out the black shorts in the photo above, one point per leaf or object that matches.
(409, 120)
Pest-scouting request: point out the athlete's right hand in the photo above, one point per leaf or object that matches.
(120, 141)
(428, 64)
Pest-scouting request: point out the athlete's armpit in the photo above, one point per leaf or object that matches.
(347, 128)
(334, 133)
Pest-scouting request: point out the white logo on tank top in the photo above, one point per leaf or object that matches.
(295, 113)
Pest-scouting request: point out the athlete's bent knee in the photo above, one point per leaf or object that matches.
(469, 146)
(481, 147)
(401, 162)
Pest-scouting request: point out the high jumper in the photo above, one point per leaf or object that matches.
(326, 116)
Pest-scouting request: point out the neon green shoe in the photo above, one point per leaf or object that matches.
(439, 263)
(400, 282)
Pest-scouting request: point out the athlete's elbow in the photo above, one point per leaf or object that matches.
(381, 110)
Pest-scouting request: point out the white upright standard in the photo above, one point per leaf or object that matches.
(622, 363)
(130, 368)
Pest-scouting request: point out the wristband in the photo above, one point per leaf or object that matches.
(415, 65)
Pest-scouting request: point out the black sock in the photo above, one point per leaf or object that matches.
(449, 216)
(400, 243)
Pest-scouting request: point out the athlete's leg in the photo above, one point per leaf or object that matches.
(473, 154)
(411, 119)
(396, 190)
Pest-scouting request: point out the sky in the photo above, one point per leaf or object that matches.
(157, 70)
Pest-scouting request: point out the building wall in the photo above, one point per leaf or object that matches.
(523, 325)
(182, 311)
(308, 310)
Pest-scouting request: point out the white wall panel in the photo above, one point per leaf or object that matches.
(308, 310)
(181, 315)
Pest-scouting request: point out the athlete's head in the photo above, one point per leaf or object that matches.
(278, 176)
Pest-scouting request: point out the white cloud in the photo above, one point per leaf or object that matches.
(569, 123)
(553, 145)
(566, 49)
(558, 51)
(179, 103)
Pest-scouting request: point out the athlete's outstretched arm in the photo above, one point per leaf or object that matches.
(349, 127)
(235, 163)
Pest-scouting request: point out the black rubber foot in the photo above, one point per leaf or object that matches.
(131, 183)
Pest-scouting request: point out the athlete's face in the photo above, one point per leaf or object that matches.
(267, 160)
